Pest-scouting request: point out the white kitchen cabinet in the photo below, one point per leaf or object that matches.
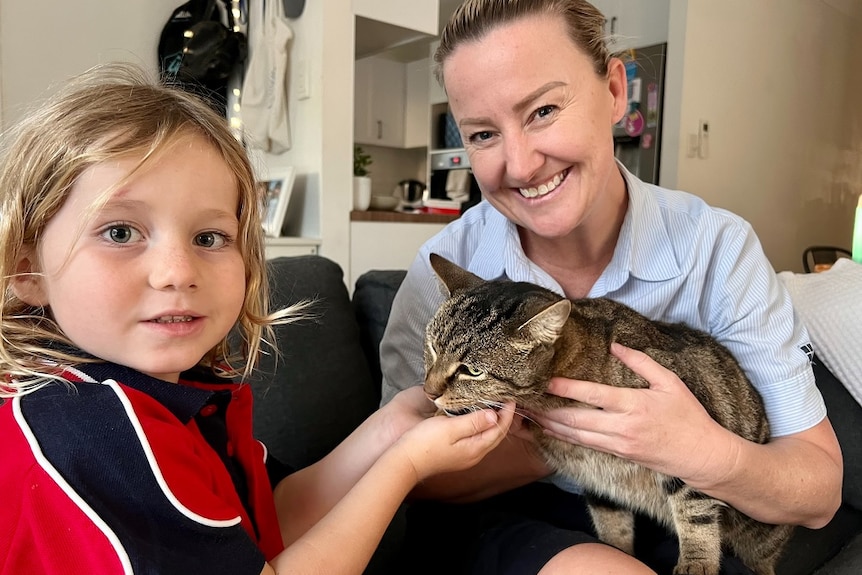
(416, 15)
(635, 23)
(391, 103)
(286, 247)
(386, 245)
(436, 93)
(416, 110)
(379, 102)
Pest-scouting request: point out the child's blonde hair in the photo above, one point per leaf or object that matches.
(111, 112)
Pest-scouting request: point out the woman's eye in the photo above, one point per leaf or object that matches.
(211, 240)
(480, 137)
(121, 234)
(545, 111)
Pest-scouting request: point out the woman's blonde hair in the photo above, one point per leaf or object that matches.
(109, 112)
(474, 19)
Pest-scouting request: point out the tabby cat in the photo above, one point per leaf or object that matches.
(495, 341)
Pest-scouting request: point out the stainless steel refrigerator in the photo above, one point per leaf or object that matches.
(637, 137)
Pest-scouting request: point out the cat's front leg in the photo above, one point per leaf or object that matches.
(697, 521)
(614, 524)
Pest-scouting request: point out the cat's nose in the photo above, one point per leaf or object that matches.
(431, 396)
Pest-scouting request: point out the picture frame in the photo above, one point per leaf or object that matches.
(277, 189)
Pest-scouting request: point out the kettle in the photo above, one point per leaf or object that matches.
(411, 192)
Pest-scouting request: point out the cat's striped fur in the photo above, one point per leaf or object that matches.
(493, 341)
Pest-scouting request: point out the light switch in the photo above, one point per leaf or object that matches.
(703, 137)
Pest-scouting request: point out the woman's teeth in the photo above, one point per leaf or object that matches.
(544, 188)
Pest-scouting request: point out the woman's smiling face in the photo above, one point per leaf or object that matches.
(536, 121)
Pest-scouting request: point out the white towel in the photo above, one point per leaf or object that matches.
(830, 305)
(263, 101)
(458, 184)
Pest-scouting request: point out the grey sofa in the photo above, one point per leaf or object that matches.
(327, 381)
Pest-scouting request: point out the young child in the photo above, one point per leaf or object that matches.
(132, 246)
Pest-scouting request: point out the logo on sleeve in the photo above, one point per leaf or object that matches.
(808, 349)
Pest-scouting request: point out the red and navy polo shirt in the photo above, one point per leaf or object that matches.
(114, 473)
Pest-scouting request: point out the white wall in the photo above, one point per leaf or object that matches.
(322, 127)
(778, 83)
(43, 42)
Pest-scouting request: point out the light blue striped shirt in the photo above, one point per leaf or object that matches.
(677, 259)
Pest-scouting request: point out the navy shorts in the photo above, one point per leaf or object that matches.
(518, 532)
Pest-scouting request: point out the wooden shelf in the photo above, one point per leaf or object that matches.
(392, 216)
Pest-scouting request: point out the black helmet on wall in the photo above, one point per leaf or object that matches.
(199, 52)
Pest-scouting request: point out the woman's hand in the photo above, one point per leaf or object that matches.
(663, 427)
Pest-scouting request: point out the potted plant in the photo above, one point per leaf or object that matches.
(361, 179)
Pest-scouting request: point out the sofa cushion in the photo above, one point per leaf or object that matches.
(320, 389)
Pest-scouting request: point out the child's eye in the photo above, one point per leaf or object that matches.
(211, 240)
(121, 234)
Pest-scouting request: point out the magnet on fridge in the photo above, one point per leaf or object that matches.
(646, 141)
(635, 123)
(652, 105)
(631, 67)
(635, 91)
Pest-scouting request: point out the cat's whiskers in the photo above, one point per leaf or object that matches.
(526, 415)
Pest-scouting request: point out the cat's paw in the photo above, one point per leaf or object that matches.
(696, 568)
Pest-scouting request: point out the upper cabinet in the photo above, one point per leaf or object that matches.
(391, 102)
(391, 71)
(436, 93)
(379, 98)
(418, 15)
(385, 24)
(635, 23)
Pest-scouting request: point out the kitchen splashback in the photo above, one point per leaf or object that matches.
(392, 165)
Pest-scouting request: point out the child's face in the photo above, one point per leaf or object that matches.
(156, 279)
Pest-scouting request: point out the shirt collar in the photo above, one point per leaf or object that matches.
(183, 399)
(645, 240)
(499, 253)
(644, 248)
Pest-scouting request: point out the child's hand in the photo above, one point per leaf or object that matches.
(441, 444)
(405, 411)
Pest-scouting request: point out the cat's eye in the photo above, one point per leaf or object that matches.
(470, 370)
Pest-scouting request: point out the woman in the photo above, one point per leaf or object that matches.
(535, 94)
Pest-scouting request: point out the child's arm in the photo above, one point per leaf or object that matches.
(334, 512)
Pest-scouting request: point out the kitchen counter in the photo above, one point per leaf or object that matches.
(393, 216)
(389, 240)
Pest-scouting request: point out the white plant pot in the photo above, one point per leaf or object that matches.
(361, 192)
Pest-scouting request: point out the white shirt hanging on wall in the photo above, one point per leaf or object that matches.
(263, 102)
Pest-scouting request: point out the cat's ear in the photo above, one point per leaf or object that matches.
(454, 277)
(547, 325)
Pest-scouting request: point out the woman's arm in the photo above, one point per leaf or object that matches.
(334, 512)
(794, 479)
